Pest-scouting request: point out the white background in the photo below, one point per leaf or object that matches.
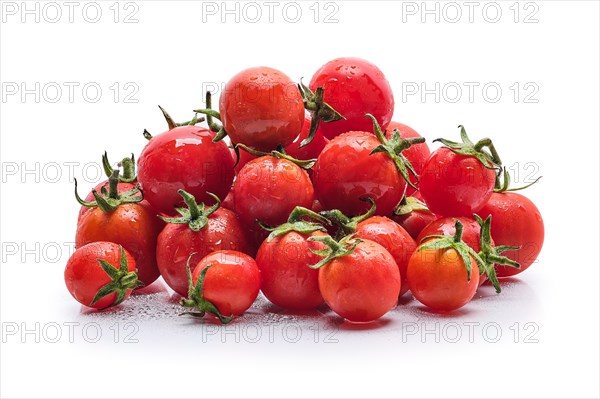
(168, 57)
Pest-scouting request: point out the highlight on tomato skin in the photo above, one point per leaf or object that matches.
(85, 278)
(232, 283)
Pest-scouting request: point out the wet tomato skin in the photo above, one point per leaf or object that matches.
(345, 172)
(133, 226)
(438, 279)
(232, 283)
(262, 108)
(362, 286)
(177, 242)
(393, 238)
(354, 87)
(287, 281)
(455, 185)
(269, 188)
(84, 276)
(184, 158)
(415, 221)
(516, 221)
(312, 149)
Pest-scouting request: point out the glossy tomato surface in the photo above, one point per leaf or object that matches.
(176, 242)
(438, 279)
(133, 226)
(84, 276)
(392, 237)
(184, 158)
(287, 281)
(262, 108)
(345, 172)
(354, 87)
(455, 185)
(232, 283)
(361, 286)
(312, 149)
(516, 221)
(269, 188)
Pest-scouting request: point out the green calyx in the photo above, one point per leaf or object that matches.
(128, 165)
(172, 124)
(490, 158)
(110, 200)
(319, 110)
(122, 280)
(503, 182)
(296, 223)
(195, 297)
(492, 255)
(409, 204)
(195, 216)
(278, 153)
(454, 242)
(393, 148)
(335, 249)
(210, 114)
(346, 225)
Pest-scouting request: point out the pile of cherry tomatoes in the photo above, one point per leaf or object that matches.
(315, 197)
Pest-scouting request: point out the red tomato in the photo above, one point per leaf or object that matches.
(269, 188)
(455, 185)
(311, 150)
(416, 154)
(516, 221)
(354, 87)
(361, 286)
(232, 282)
(184, 158)
(345, 172)
(131, 225)
(262, 108)
(85, 276)
(245, 157)
(393, 238)
(176, 242)
(438, 278)
(287, 281)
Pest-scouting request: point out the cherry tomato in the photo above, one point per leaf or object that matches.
(312, 149)
(184, 158)
(345, 172)
(131, 225)
(438, 278)
(121, 188)
(455, 185)
(269, 188)
(354, 87)
(393, 238)
(262, 108)
(516, 221)
(287, 281)
(471, 234)
(85, 276)
(232, 282)
(222, 230)
(361, 286)
(417, 154)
